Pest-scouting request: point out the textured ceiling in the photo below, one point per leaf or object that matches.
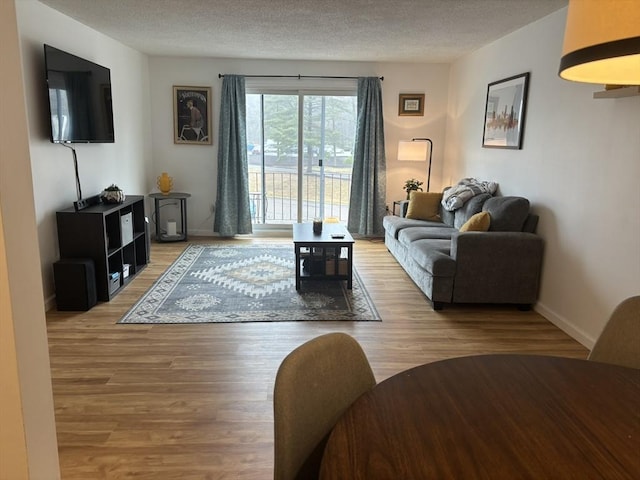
(350, 30)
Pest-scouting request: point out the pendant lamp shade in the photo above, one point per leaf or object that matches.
(602, 42)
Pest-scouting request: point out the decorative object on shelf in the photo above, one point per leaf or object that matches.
(192, 115)
(165, 183)
(317, 226)
(601, 42)
(416, 151)
(113, 194)
(172, 228)
(411, 185)
(505, 112)
(411, 104)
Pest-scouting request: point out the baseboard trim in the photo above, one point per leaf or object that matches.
(50, 303)
(565, 325)
(257, 232)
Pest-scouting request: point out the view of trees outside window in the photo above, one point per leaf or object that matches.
(322, 158)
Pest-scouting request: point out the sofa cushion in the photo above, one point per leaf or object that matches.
(531, 223)
(433, 256)
(478, 223)
(446, 216)
(393, 225)
(508, 214)
(469, 209)
(424, 205)
(409, 235)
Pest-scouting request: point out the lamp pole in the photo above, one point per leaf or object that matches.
(430, 156)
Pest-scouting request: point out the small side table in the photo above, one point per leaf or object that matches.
(180, 235)
(403, 204)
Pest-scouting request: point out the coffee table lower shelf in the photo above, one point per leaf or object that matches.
(320, 257)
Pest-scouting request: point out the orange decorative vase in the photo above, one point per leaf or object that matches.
(165, 183)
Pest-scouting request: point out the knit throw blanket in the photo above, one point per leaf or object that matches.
(456, 196)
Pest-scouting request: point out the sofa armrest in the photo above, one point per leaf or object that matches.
(497, 267)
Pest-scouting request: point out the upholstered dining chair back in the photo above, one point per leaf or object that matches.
(314, 385)
(619, 342)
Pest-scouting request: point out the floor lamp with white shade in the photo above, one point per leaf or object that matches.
(416, 151)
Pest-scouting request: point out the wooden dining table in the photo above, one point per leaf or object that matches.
(492, 417)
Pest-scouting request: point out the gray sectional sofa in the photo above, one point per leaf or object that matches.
(501, 265)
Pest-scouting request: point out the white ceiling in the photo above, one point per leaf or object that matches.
(350, 30)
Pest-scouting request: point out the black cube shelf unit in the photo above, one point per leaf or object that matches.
(112, 235)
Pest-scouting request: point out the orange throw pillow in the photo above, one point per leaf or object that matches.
(480, 222)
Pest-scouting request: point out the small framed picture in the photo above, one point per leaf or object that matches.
(192, 115)
(505, 111)
(411, 104)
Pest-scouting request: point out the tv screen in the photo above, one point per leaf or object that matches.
(80, 105)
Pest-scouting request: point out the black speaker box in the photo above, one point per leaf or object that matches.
(75, 284)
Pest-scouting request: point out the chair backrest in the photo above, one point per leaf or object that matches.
(619, 342)
(314, 385)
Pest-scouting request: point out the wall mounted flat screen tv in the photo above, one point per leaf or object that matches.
(80, 105)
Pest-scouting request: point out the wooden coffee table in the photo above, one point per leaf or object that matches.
(324, 256)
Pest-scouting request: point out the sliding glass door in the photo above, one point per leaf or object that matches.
(300, 154)
(329, 133)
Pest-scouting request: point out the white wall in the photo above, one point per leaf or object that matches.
(194, 167)
(143, 115)
(28, 448)
(579, 166)
(125, 162)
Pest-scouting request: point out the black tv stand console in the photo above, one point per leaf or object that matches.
(114, 236)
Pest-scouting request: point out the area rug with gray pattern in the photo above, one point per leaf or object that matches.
(246, 283)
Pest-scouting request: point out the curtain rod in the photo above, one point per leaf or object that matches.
(220, 75)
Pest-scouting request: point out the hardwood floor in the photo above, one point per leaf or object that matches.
(191, 402)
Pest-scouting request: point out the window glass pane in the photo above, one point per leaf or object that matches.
(322, 161)
(329, 132)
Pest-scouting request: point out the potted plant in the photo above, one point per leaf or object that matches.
(113, 194)
(411, 185)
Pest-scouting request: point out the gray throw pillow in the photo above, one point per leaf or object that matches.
(508, 214)
(469, 209)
